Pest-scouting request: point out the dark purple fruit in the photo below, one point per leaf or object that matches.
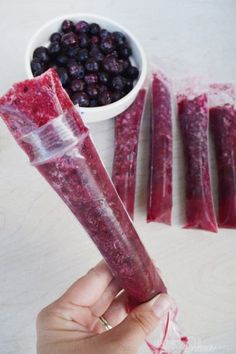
(124, 52)
(63, 76)
(42, 54)
(129, 85)
(93, 102)
(112, 65)
(119, 38)
(91, 78)
(107, 45)
(94, 29)
(76, 71)
(83, 55)
(82, 27)
(102, 88)
(84, 40)
(55, 37)
(72, 52)
(132, 73)
(92, 90)
(81, 98)
(105, 34)
(62, 60)
(94, 40)
(54, 49)
(126, 63)
(116, 96)
(69, 40)
(105, 98)
(104, 77)
(77, 85)
(118, 83)
(96, 53)
(67, 26)
(92, 65)
(37, 67)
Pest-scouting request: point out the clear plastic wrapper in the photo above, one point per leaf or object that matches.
(193, 115)
(223, 128)
(46, 125)
(127, 126)
(160, 171)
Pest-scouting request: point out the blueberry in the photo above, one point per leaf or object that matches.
(126, 63)
(107, 45)
(92, 90)
(128, 85)
(104, 77)
(102, 88)
(63, 76)
(116, 96)
(96, 53)
(62, 59)
(119, 38)
(83, 55)
(112, 65)
(55, 37)
(54, 49)
(84, 41)
(124, 52)
(105, 98)
(81, 98)
(67, 26)
(118, 83)
(69, 40)
(94, 29)
(92, 65)
(91, 78)
(82, 27)
(94, 40)
(37, 67)
(132, 73)
(76, 71)
(93, 102)
(68, 90)
(42, 54)
(77, 85)
(105, 33)
(72, 52)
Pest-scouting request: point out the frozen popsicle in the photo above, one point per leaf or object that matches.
(160, 170)
(223, 128)
(44, 122)
(127, 126)
(193, 114)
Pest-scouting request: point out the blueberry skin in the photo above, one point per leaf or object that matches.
(67, 26)
(37, 67)
(81, 98)
(42, 54)
(55, 37)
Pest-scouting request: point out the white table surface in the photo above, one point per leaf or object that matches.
(44, 249)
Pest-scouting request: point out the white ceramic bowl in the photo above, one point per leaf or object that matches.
(41, 37)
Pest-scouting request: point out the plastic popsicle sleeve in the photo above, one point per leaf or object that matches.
(127, 126)
(193, 116)
(223, 129)
(43, 120)
(160, 170)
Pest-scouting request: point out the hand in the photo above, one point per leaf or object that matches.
(71, 325)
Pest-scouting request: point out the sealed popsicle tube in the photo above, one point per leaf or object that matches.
(44, 122)
(193, 115)
(223, 128)
(160, 171)
(127, 126)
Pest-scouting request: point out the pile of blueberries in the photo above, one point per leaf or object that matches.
(93, 64)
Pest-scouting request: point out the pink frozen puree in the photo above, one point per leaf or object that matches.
(160, 178)
(80, 179)
(194, 120)
(127, 126)
(223, 127)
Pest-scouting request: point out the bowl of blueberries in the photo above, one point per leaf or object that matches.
(100, 64)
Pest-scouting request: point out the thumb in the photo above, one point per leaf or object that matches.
(141, 322)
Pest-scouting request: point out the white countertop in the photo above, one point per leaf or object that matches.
(44, 249)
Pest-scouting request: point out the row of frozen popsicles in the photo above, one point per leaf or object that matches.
(197, 109)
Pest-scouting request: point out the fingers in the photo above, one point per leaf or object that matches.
(116, 313)
(87, 290)
(140, 322)
(99, 308)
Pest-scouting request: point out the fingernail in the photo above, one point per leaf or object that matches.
(161, 305)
